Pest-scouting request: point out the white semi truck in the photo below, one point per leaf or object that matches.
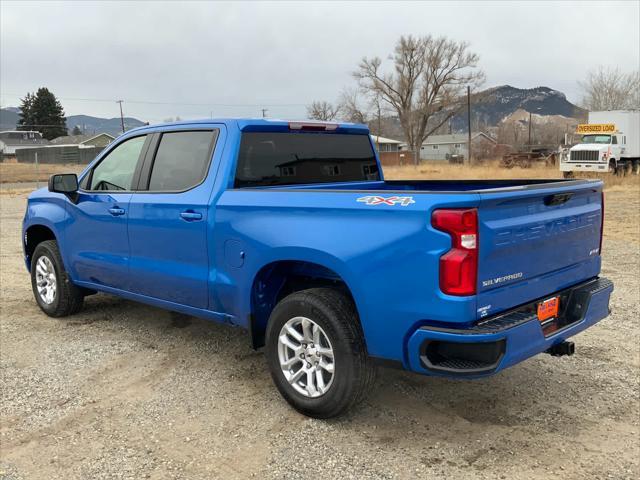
(610, 142)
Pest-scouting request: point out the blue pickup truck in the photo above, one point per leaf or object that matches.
(289, 230)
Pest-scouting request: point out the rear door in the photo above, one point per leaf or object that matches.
(168, 218)
(535, 240)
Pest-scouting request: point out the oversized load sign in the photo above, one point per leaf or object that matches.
(596, 128)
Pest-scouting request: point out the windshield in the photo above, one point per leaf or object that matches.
(596, 139)
(282, 158)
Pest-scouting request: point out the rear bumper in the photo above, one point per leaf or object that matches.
(502, 341)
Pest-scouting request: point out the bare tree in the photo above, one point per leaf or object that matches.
(351, 106)
(426, 85)
(610, 89)
(322, 110)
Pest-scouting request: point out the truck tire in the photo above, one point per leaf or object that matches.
(55, 294)
(316, 352)
(613, 169)
(568, 174)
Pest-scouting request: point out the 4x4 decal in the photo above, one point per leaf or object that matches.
(376, 200)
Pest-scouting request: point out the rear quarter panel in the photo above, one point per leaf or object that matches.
(387, 255)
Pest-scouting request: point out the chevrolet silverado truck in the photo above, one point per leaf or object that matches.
(289, 230)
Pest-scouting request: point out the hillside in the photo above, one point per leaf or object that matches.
(111, 126)
(8, 118)
(490, 107)
(495, 104)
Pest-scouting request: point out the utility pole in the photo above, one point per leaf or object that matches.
(264, 112)
(469, 123)
(379, 121)
(529, 131)
(121, 116)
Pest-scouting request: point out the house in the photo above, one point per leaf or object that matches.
(454, 146)
(304, 169)
(386, 144)
(84, 141)
(10, 140)
(389, 150)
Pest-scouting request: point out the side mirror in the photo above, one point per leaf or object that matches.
(64, 183)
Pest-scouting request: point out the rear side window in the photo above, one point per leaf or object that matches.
(271, 158)
(181, 161)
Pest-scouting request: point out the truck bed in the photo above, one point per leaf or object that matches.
(440, 186)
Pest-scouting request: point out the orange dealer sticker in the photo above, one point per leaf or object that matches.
(548, 309)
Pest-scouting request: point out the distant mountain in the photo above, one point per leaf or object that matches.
(489, 107)
(112, 126)
(9, 119)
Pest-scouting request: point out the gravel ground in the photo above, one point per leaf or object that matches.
(123, 390)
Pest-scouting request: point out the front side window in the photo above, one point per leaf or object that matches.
(115, 171)
(282, 158)
(182, 160)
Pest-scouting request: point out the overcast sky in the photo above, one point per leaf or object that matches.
(232, 59)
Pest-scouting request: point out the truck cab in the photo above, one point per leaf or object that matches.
(597, 152)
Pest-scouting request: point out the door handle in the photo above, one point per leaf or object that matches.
(191, 216)
(116, 211)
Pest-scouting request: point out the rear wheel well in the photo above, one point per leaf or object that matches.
(33, 236)
(279, 279)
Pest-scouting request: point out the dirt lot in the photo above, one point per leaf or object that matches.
(123, 390)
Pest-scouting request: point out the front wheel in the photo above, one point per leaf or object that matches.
(55, 294)
(316, 352)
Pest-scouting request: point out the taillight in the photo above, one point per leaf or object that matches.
(459, 266)
(601, 224)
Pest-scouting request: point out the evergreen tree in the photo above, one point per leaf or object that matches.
(76, 131)
(25, 121)
(43, 112)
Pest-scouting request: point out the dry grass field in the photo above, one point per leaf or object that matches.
(492, 170)
(13, 172)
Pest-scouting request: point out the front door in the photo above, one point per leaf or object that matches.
(168, 223)
(97, 230)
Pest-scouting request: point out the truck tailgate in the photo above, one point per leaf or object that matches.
(536, 240)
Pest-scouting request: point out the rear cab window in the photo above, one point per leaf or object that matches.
(285, 158)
